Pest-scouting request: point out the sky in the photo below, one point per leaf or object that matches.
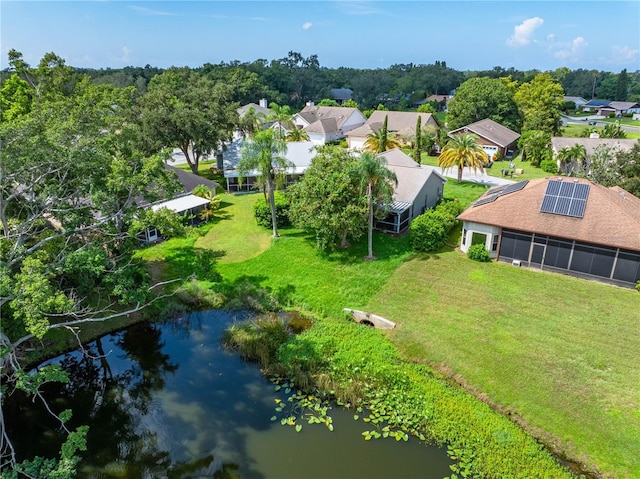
(467, 35)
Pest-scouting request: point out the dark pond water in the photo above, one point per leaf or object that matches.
(168, 401)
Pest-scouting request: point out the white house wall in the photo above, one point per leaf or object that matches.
(354, 121)
(356, 142)
(469, 227)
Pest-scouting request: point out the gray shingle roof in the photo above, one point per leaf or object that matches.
(311, 114)
(411, 176)
(590, 144)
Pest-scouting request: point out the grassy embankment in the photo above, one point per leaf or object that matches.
(555, 351)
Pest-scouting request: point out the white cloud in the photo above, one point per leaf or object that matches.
(357, 7)
(307, 25)
(126, 54)
(573, 51)
(551, 37)
(623, 54)
(522, 33)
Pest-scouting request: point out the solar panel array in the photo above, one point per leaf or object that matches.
(494, 193)
(565, 198)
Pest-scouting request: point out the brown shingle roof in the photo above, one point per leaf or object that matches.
(311, 114)
(325, 125)
(611, 217)
(400, 120)
(491, 130)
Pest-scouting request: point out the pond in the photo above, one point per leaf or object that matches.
(169, 401)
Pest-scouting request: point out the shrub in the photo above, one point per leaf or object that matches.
(429, 231)
(477, 252)
(262, 211)
(550, 166)
(638, 286)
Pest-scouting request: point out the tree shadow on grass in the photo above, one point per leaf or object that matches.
(189, 261)
(248, 291)
(385, 247)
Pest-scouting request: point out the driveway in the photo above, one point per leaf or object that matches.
(479, 177)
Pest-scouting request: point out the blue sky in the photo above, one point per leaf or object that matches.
(474, 35)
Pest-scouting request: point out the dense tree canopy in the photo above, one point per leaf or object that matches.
(185, 110)
(480, 98)
(540, 101)
(71, 173)
(328, 201)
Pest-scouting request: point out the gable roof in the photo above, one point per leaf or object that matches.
(597, 103)
(575, 99)
(611, 216)
(590, 144)
(324, 125)
(189, 181)
(621, 105)
(491, 130)
(340, 114)
(439, 98)
(242, 111)
(411, 176)
(398, 121)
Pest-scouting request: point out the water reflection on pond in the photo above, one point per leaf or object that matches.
(168, 401)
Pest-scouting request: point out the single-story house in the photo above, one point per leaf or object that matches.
(577, 100)
(618, 108)
(595, 105)
(340, 95)
(298, 154)
(591, 144)
(419, 188)
(398, 122)
(328, 123)
(442, 100)
(493, 137)
(184, 203)
(559, 224)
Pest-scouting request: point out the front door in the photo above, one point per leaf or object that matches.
(537, 254)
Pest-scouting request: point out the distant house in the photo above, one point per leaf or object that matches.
(595, 105)
(261, 108)
(560, 224)
(494, 137)
(341, 95)
(328, 123)
(299, 154)
(618, 108)
(578, 101)
(442, 100)
(183, 203)
(419, 188)
(398, 122)
(591, 144)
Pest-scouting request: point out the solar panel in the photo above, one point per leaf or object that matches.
(514, 187)
(565, 198)
(485, 200)
(493, 191)
(581, 192)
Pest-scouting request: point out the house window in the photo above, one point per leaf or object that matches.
(464, 236)
(494, 245)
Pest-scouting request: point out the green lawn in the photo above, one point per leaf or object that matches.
(574, 130)
(559, 352)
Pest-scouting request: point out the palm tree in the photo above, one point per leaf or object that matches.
(265, 153)
(379, 182)
(297, 134)
(281, 116)
(251, 122)
(463, 150)
(381, 140)
(572, 158)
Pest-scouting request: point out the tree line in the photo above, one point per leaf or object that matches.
(295, 79)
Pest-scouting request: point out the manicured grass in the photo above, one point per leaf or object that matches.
(559, 351)
(236, 238)
(530, 172)
(573, 130)
(623, 121)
